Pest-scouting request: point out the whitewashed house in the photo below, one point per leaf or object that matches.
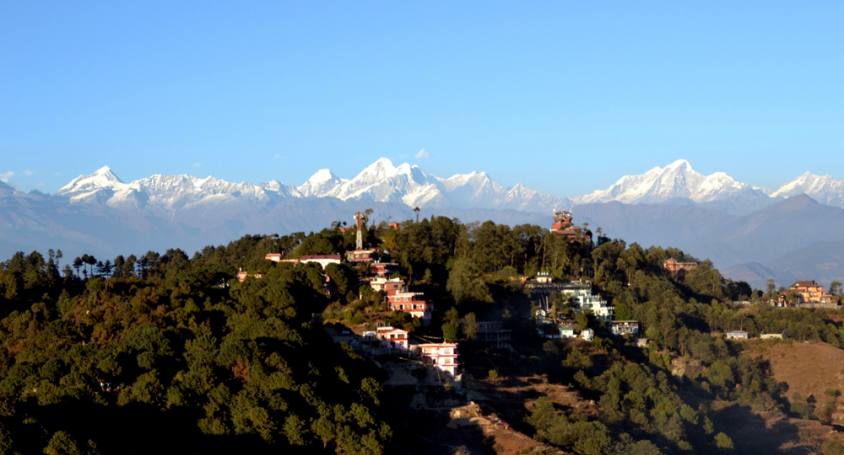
(584, 300)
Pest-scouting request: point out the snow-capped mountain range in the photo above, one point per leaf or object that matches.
(381, 181)
(823, 189)
(678, 180)
(742, 228)
(406, 184)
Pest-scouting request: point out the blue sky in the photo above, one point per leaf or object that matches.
(563, 96)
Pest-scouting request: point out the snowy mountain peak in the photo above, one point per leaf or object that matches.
(319, 184)
(822, 188)
(87, 186)
(380, 169)
(405, 183)
(471, 178)
(677, 180)
(106, 172)
(322, 175)
(681, 164)
(382, 181)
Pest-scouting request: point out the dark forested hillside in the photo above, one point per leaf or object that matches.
(165, 353)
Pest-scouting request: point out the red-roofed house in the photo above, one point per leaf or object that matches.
(412, 303)
(383, 269)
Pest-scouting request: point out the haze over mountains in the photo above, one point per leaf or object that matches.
(789, 233)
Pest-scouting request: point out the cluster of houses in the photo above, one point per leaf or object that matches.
(387, 341)
(399, 298)
(390, 340)
(357, 256)
(384, 279)
(741, 335)
(578, 292)
(583, 300)
(807, 293)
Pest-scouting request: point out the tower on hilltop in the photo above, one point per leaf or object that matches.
(359, 225)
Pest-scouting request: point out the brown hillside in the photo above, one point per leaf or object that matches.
(807, 369)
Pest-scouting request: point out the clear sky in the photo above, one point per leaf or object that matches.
(564, 96)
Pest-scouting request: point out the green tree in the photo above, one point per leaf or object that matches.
(470, 326)
(451, 326)
(492, 375)
(62, 443)
(724, 442)
(835, 288)
(466, 283)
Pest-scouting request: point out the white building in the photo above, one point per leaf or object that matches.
(443, 356)
(392, 337)
(567, 330)
(322, 260)
(587, 335)
(624, 328)
(737, 335)
(584, 300)
(387, 285)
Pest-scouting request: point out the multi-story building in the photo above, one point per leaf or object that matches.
(413, 303)
(389, 286)
(584, 300)
(360, 256)
(810, 292)
(392, 337)
(443, 356)
(383, 269)
(493, 333)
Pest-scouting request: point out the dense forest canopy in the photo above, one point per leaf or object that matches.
(170, 353)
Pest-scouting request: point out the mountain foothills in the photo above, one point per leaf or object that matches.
(225, 351)
(747, 231)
